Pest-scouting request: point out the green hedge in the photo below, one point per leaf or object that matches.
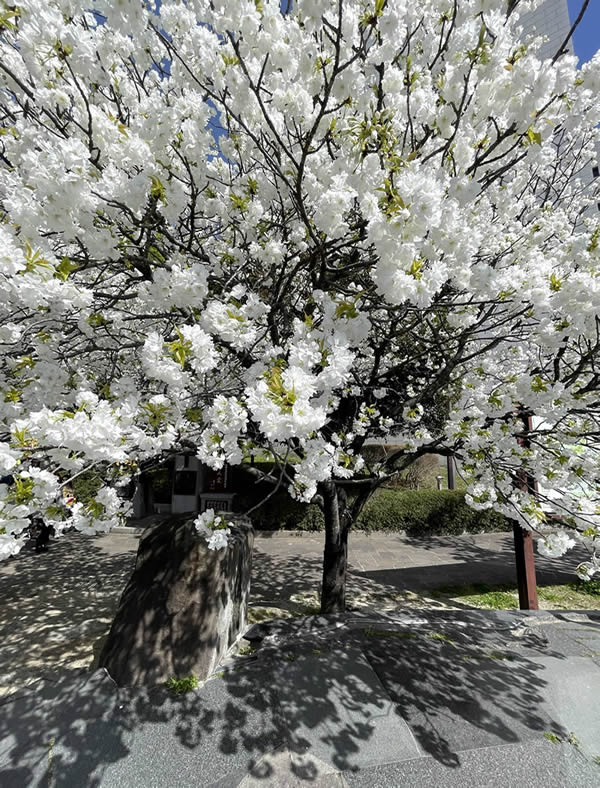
(86, 486)
(418, 512)
(422, 512)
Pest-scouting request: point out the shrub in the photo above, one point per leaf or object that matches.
(179, 685)
(418, 512)
(86, 485)
(422, 512)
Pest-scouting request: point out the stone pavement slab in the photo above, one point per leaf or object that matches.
(572, 694)
(58, 733)
(209, 737)
(456, 695)
(539, 764)
(365, 699)
(334, 707)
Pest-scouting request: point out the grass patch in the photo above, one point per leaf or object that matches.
(569, 596)
(572, 739)
(577, 595)
(552, 737)
(257, 615)
(179, 685)
(247, 651)
(441, 636)
(480, 595)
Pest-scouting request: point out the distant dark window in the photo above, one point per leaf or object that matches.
(185, 483)
(217, 480)
(161, 481)
(595, 172)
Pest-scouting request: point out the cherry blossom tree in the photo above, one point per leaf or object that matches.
(228, 228)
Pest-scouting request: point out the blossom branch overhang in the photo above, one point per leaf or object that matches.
(392, 240)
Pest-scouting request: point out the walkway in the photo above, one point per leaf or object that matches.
(460, 699)
(56, 606)
(287, 565)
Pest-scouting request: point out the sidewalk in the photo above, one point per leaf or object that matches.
(459, 699)
(288, 564)
(464, 698)
(58, 605)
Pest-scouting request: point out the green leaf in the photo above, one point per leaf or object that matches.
(24, 362)
(240, 318)
(157, 190)
(555, 283)
(65, 268)
(229, 60)
(346, 309)
(532, 137)
(495, 400)
(156, 255)
(23, 489)
(416, 268)
(95, 320)
(95, 508)
(34, 260)
(180, 349)
(239, 202)
(21, 437)
(156, 413)
(278, 394)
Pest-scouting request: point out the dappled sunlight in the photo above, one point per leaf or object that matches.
(57, 605)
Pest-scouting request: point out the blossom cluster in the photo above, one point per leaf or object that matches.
(303, 232)
(213, 528)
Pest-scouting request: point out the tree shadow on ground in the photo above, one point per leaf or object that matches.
(333, 699)
(459, 561)
(459, 689)
(56, 605)
(331, 694)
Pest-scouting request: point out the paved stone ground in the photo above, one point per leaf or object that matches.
(472, 699)
(391, 569)
(420, 698)
(57, 606)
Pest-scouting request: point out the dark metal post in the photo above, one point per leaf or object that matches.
(451, 464)
(524, 556)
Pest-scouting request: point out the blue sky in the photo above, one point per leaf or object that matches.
(587, 36)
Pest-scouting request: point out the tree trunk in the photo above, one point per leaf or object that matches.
(335, 555)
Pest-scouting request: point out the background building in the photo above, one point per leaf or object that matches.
(551, 19)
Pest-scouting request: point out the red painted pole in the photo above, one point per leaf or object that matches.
(524, 555)
(525, 561)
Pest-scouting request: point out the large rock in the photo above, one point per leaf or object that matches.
(183, 606)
